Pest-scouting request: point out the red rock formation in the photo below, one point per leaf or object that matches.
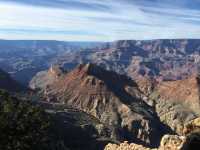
(113, 99)
(177, 102)
(182, 91)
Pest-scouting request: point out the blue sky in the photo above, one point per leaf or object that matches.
(99, 20)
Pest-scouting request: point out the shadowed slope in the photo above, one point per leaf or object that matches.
(7, 83)
(113, 99)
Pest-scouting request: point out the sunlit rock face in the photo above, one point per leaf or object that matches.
(158, 59)
(44, 78)
(190, 141)
(172, 142)
(177, 102)
(125, 146)
(113, 99)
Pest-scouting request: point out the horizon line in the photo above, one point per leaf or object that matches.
(96, 41)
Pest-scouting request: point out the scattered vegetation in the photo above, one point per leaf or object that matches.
(23, 126)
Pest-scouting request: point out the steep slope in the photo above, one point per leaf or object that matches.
(7, 83)
(22, 59)
(44, 78)
(185, 91)
(167, 59)
(190, 140)
(113, 99)
(76, 129)
(177, 102)
(47, 126)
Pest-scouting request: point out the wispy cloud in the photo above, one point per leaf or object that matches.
(104, 20)
(65, 4)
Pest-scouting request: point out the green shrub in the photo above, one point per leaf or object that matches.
(23, 126)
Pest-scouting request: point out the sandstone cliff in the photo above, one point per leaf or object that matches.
(44, 78)
(191, 140)
(113, 99)
(177, 102)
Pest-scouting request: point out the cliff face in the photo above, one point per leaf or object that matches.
(184, 91)
(158, 59)
(190, 140)
(139, 111)
(113, 99)
(44, 78)
(163, 59)
(177, 102)
(24, 58)
(168, 142)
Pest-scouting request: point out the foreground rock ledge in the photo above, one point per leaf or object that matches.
(125, 146)
(190, 141)
(168, 142)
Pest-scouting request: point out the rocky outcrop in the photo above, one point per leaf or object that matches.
(177, 102)
(190, 141)
(192, 127)
(192, 132)
(75, 129)
(113, 99)
(159, 59)
(22, 59)
(128, 108)
(125, 146)
(44, 78)
(172, 142)
(182, 91)
(168, 142)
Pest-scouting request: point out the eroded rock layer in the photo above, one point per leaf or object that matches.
(191, 140)
(114, 99)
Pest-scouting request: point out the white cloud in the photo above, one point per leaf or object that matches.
(125, 21)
